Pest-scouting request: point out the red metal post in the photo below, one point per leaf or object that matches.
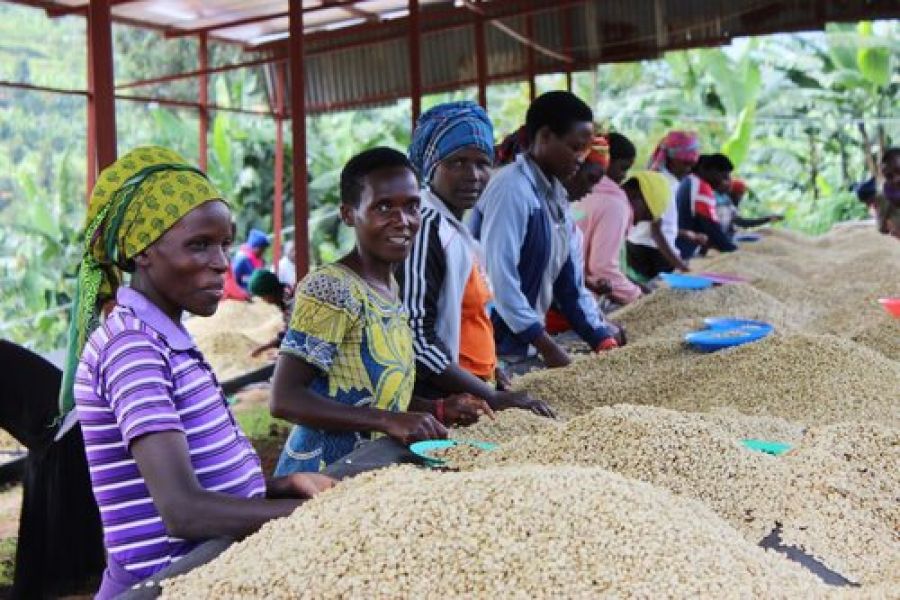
(203, 82)
(415, 61)
(529, 59)
(481, 60)
(101, 84)
(278, 200)
(298, 129)
(566, 16)
(91, 127)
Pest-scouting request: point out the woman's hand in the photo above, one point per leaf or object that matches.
(502, 378)
(506, 399)
(300, 485)
(620, 334)
(464, 409)
(554, 356)
(410, 427)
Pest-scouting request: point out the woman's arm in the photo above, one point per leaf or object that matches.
(662, 244)
(193, 513)
(293, 401)
(270, 345)
(456, 380)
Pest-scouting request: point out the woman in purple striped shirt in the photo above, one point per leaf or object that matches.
(169, 465)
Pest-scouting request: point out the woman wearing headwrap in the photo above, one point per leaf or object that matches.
(696, 199)
(268, 287)
(651, 247)
(169, 465)
(249, 257)
(441, 282)
(512, 145)
(605, 216)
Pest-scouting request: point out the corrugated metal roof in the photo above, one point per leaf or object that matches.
(358, 55)
(601, 31)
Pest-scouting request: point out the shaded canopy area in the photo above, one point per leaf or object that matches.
(327, 55)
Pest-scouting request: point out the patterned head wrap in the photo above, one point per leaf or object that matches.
(599, 152)
(512, 145)
(680, 145)
(134, 202)
(447, 128)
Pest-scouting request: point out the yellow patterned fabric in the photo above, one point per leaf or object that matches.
(159, 201)
(362, 347)
(134, 202)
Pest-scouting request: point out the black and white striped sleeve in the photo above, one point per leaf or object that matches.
(420, 278)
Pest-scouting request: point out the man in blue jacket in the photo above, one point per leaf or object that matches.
(523, 223)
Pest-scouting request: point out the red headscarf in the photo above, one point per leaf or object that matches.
(599, 152)
(512, 145)
(680, 145)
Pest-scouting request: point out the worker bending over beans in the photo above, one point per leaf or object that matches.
(442, 281)
(346, 367)
(696, 199)
(523, 223)
(265, 285)
(169, 464)
(651, 246)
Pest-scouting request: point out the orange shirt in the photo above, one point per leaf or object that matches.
(477, 353)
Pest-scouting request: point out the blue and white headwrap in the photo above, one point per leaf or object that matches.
(445, 129)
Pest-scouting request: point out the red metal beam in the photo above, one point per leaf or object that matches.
(203, 150)
(42, 88)
(174, 33)
(415, 62)
(298, 130)
(40, 4)
(91, 135)
(62, 11)
(566, 16)
(192, 105)
(529, 59)
(102, 100)
(197, 73)
(481, 66)
(278, 200)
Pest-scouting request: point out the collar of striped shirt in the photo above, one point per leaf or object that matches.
(175, 335)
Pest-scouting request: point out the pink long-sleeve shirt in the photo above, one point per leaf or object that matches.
(605, 217)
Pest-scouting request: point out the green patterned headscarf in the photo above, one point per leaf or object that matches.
(135, 201)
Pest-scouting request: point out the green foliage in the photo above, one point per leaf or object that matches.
(874, 62)
(7, 562)
(257, 422)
